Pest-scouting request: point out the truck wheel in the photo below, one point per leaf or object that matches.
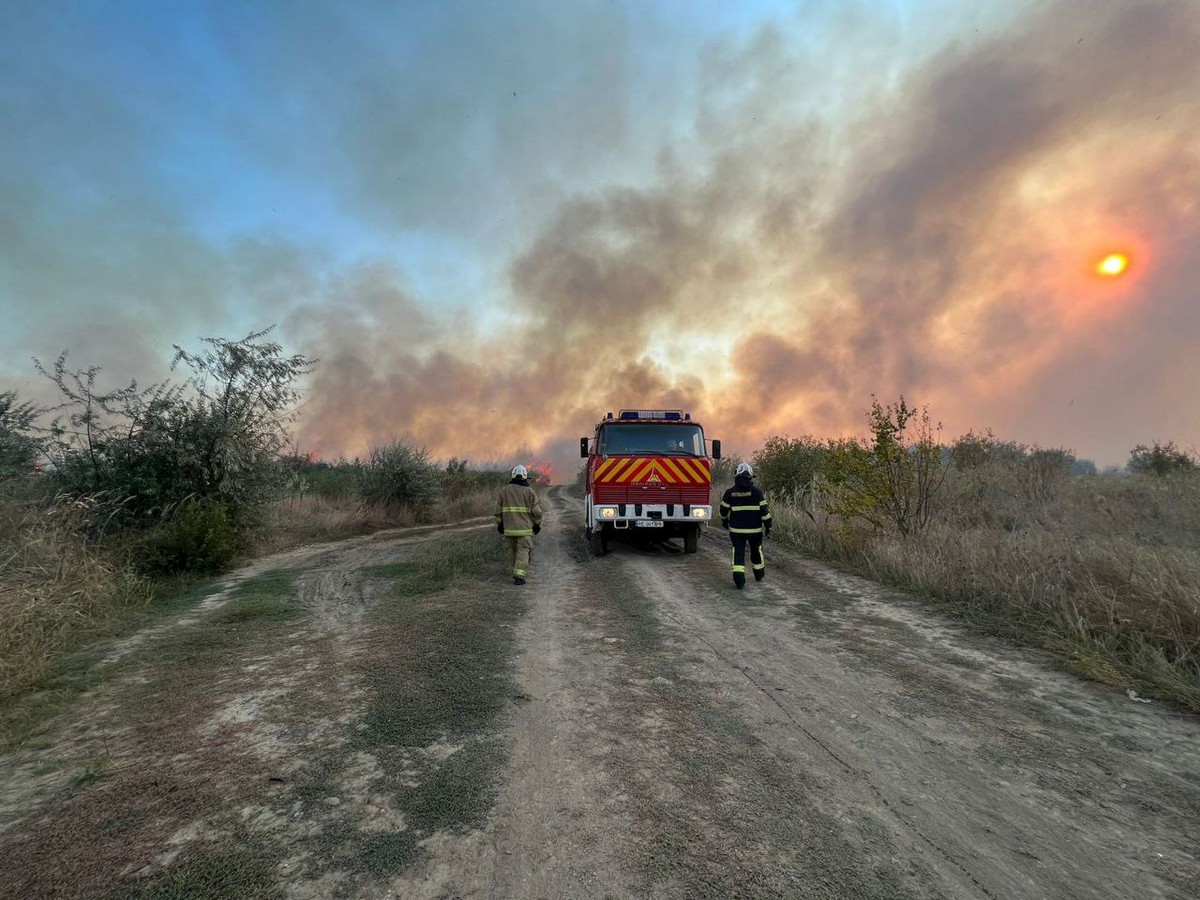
(597, 541)
(691, 539)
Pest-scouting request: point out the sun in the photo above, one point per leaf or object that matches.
(1113, 265)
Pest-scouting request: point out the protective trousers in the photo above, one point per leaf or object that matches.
(518, 553)
(757, 561)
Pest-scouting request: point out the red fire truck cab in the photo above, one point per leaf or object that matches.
(647, 472)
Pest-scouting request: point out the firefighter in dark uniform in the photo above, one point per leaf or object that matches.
(747, 518)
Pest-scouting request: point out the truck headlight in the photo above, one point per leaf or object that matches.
(606, 512)
(700, 513)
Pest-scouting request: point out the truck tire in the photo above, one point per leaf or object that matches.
(597, 541)
(691, 539)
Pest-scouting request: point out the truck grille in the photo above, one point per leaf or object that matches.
(690, 494)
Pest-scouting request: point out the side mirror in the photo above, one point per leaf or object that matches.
(716, 449)
(583, 447)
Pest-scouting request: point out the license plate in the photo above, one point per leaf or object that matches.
(648, 524)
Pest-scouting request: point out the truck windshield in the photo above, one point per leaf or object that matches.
(683, 440)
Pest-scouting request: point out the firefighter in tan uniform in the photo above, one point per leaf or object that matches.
(518, 518)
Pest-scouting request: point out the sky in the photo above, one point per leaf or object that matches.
(493, 222)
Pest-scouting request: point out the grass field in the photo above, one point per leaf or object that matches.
(1104, 571)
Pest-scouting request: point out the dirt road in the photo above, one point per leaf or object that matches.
(624, 727)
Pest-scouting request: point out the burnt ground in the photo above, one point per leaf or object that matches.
(391, 717)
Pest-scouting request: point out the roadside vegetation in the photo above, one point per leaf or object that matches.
(116, 499)
(1102, 570)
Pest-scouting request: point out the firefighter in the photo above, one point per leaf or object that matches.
(747, 518)
(518, 518)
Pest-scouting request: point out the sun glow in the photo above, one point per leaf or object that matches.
(1113, 265)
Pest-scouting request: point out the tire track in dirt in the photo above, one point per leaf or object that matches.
(833, 754)
(1006, 793)
(718, 810)
(552, 831)
(338, 554)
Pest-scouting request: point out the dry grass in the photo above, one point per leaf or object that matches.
(55, 588)
(1104, 571)
(314, 519)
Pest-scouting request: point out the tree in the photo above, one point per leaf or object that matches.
(1160, 459)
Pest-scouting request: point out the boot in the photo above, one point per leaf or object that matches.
(760, 574)
(517, 579)
(739, 580)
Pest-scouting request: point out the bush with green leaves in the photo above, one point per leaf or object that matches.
(202, 538)
(337, 480)
(21, 447)
(971, 451)
(398, 474)
(897, 480)
(215, 438)
(810, 472)
(787, 465)
(891, 480)
(458, 479)
(1161, 459)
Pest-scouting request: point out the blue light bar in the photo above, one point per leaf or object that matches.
(661, 415)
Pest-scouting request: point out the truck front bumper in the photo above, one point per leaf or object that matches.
(647, 515)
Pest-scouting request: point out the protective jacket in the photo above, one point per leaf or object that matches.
(518, 509)
(743, 508)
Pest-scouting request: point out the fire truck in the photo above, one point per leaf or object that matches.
(648, 473)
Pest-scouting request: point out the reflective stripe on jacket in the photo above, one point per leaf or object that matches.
(743, 508)
(518, 509)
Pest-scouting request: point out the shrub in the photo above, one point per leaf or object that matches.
(1043, 473)
(20, 447)
(974, 450)
(336, 480)
(399, 475)
(898, 478)
(458, 480)
(788, 465)
(217, 436)
(1160, 459)
(1083, 467)
(202, 539)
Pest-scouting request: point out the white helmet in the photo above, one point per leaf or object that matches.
(744, 469)
(520, 472)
